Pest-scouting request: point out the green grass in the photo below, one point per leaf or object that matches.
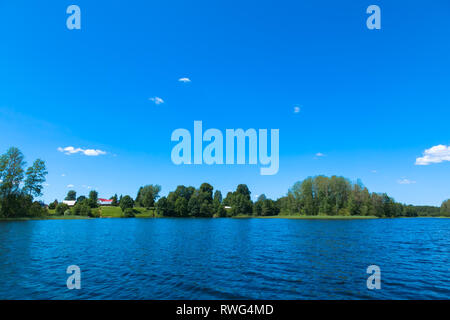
(49, 217)
(110, 212)
(116, 212)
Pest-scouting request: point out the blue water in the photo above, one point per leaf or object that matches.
(225, 258)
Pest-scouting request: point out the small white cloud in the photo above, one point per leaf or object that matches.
(87, 152)
(87, 187)
(157, 100)
(296, 109)
(319, 154)
(70, 186)
(405, 181)
(63, 175)
(374, 171)
(436, 154)
(184, 80)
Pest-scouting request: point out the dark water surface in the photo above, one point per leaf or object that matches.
(225, 258)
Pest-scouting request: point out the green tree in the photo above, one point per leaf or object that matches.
(35, 177)
(162, 207)
(11, 171)
(93, 199)
(181, 207)
(53, 205)
(37, 210)
(85, 209)
(115, 201)
(269, 208)
(61, 208)
(241, 205)
(219, 210)
(194, 205)
(14, 200)
(228, 199)
(243, 190)
(147, 195)
(71, 195)
(445, 208)
(126, 203)
(257, 206)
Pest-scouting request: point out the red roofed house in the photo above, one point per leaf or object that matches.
(104, 202)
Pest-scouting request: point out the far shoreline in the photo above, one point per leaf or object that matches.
(74, 217)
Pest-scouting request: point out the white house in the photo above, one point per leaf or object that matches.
(104, 202)
(70, 203)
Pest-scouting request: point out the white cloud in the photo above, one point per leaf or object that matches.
(374, 171)
(436, 154)
(86, 152)
(63, 175)
(319, 154)
(405, 181)
(185, 80)
(70, 186)
(156, 100)
(87, 187)
(296, 109)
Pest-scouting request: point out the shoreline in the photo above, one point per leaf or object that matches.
(73, 217)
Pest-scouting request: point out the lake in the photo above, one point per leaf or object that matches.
(168, 258)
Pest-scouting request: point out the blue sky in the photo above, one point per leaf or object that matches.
(371, 101)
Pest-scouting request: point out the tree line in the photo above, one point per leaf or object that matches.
(313, 196)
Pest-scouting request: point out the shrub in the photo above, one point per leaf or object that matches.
(61, 208)
(94, 213)
(52, 206)
(85, 210)
(36, 210)
(67, 212)
(128, 213)
(76, 209)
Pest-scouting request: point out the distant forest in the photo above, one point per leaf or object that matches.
(314, 196)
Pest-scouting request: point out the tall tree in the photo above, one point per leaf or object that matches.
(93, 198)
(147, 195)
(35, 177)
(115, 201)
(12, 165)
(71, 195)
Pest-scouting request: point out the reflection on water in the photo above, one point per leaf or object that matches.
(225, 258)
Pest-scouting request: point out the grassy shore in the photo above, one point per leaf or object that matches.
(116, 212)
(110, 212)
(49, 217)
